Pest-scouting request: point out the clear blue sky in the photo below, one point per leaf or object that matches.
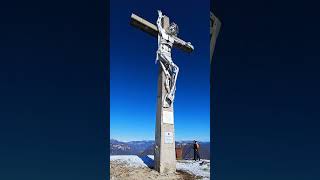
(133, 74)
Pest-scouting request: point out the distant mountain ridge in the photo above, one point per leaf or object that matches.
(146, 147)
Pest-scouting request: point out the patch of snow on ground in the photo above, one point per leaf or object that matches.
(197, 168)
(130, 160)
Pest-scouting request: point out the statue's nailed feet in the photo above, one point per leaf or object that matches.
(168, 101)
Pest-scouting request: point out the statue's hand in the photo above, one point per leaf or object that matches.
(160, 13)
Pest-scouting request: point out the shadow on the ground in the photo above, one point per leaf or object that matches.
(148, 161)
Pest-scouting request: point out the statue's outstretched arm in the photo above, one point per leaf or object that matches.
(159, 22)
(183, 43)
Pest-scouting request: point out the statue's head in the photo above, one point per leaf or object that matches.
(173, 29)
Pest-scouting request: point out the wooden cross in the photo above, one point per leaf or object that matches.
(152, 29)
(164, 153)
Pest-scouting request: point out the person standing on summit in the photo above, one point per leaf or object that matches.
(196, 148)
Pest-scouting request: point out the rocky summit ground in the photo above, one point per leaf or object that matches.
(131, 167)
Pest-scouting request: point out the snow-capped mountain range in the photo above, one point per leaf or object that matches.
(142, 148)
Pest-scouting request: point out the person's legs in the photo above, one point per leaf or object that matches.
(199, 156)
(194, 154)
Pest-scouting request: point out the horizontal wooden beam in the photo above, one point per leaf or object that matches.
(144, 25)
(187, 48)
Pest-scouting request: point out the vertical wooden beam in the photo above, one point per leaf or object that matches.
(164, 156)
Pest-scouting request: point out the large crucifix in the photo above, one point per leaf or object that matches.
(166, 32)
